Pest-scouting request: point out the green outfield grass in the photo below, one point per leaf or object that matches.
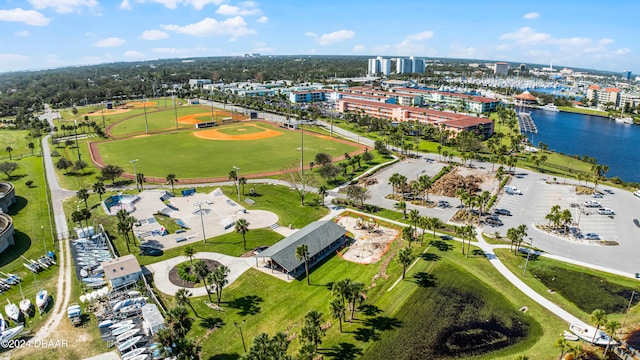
(156, 120)
(187, 156)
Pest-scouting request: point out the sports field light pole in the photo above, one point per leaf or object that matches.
(237, 169)
(135, 174)
(199, 205)
(175, 111)
(75, 131)
(239, 326)
(211, 102)
(146, 124)
(301, 147)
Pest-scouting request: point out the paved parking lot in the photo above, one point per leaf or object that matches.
(412, 169)
(536, 202)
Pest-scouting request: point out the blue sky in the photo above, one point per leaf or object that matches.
(37, 34)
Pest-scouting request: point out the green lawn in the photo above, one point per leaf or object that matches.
(33, 231)
(267, 304)
(17, 140)
(75, 179)
(188, 156)
(583, 111)
(578, 290)
(156, 120)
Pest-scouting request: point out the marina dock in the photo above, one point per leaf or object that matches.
(527, 126)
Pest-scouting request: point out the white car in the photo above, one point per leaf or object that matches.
(592, 203)
(606, 211)
(592, 236)
(637, 193)
(512, 190)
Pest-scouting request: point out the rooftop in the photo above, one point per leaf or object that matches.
(122, 266)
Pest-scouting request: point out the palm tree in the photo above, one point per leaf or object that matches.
(178, 321)
(171, 179)
(469, 233)
(242, 181)
(140, 180)
(408, 234)
(9, 149)
(189, 253)
(31, 147)
(83, 194)
(242, 227)
(425, 184)
(405, 257)
(98, 188)
(302, 254)
(402, 206)
(433, 223)
(338, 311)
(598, 318)
(182, 297)
(201, 270)
(322, 191)
(355, 293)
(611, 327)
(563, 345)
(218, 278)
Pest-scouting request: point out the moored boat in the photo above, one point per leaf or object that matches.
(11, 333)
(120, 324)
(588, 334)
(129, 343)
(133, 353)
(569, 336)
(122, 329)
(127, 334)
(549, 107)
(12, 311)
(25, 306)
(42, 299)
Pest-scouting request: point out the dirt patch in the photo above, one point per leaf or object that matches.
(176, 280)
(371, 241)
(140, 104)
(215, 134)
(108, 112)
(141, 136)
(191, 119)
(451, 182)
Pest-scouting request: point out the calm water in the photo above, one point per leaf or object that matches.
(613, 144)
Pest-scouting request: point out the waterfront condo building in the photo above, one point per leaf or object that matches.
(379, 65)
(603, 97)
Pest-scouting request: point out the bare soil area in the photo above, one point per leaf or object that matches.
(370, 240)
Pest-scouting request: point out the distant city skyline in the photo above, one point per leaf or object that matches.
(43, 34)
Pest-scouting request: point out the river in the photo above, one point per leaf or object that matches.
(611, 143)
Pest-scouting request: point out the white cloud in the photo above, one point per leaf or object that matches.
(414, 43)
(311, 34)
(531, 15)
(110, 42)
(458, 51)
(153, 35)
(199, 4)
(622, 51)
(336, 36)
(262, 19)
(29, 17)
(22, 33)
(64, 6)
(245, 8)
(526, 36)
(171, 4)
(89, 34)
(133, 54)
(358, 48)
(208, 27)
(605, 41)
(125, 5)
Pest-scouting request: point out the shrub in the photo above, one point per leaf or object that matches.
(55, 153)
(184, 272)
(29, 183)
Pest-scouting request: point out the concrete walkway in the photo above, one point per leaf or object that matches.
(512, 278)
(161, 270)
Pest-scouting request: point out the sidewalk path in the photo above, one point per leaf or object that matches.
(161, 269)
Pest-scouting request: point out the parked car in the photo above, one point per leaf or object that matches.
(637, 193)
(592, 203)
(502, 212)
(609, 191)
(597, 195)
(606, 211)
(493, 221)
(512, 190)
(443, 204)
(592, 236)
